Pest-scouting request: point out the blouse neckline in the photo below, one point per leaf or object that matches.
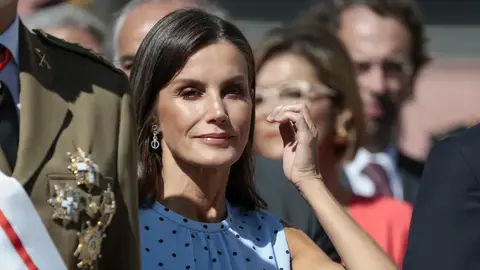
(167, 213)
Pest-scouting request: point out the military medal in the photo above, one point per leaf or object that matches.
(90, 245)
(84, 169)
(107, 206)
(92, 206)
(70, 201)
(67, 203)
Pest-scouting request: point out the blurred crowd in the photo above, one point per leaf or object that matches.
(377, 119)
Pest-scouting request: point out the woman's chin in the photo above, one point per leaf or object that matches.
(215, 159)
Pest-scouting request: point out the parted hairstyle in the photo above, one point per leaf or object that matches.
(161, 56)
(332, 65)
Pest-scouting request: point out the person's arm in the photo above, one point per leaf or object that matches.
(321, 239)
(300, 165)
(305, 254)
(123, 248)
(356, 248)
(445, 228)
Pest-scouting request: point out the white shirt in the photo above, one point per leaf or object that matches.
(361, 184)
(10, 74)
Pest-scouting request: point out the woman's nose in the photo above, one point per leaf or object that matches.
(218, 113)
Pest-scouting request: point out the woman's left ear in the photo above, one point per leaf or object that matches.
(342, 126)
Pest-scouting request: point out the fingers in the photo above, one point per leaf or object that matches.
(297, 114)
(274, 113)
(296, 118)
(296, 108)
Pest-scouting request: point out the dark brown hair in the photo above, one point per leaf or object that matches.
(328, 14)
(162, 54)
(333, 67)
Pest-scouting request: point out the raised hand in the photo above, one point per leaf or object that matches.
(299, 136)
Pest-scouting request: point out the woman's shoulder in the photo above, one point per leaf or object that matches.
(146, 210)
(259, 215)
(258, 220)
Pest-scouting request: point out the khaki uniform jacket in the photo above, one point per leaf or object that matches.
(71, 98)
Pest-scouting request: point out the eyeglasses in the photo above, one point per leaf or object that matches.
(292, 91)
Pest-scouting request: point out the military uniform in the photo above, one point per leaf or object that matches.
(73, 101)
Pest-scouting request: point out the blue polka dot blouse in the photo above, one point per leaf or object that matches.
(244, 240)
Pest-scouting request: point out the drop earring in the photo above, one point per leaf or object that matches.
(155, 143)
(342, 136)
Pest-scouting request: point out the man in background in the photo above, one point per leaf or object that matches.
(137, 18)
(387, 44)
(71, 23)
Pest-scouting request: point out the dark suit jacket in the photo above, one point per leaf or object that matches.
(72, 98)
(445, 229)
(285, 202)
(410, 172)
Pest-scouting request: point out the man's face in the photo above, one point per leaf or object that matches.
(380, 48)
(136, 26)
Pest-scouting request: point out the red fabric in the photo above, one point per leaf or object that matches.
(16, 242)
(387, 220)
(7, 56)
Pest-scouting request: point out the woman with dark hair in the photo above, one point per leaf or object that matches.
(193, 80)
(308, 64)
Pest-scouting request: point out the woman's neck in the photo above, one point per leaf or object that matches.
(193, 192)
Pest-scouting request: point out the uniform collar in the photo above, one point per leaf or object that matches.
(9, 39)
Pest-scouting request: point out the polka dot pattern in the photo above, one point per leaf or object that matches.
(244, 240)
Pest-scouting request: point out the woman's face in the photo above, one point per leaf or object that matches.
(284, 79)
(204, 113)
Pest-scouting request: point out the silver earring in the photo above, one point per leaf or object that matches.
(155, 143)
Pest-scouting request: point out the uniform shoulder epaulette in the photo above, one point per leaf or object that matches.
(77, 48)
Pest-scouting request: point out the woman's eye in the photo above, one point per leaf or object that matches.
(127, 66)
(258, 100)
(291, 93)
(190, 93)
(235, 91)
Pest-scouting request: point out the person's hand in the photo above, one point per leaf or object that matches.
(299, 136)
